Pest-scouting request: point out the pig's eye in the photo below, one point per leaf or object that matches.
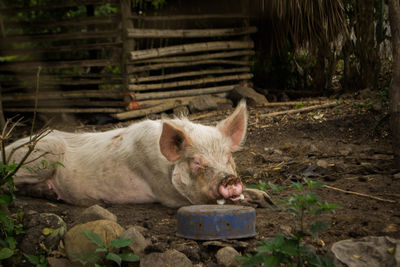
(197, 164)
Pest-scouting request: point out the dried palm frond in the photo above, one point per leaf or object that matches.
(305, 22)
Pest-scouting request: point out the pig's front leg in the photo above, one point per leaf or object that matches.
(256, 198)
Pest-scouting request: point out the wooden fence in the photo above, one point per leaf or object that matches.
(117, 62)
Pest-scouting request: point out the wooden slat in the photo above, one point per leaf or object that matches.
(190, 48)
(186, 64)
(61, 4)
(188, 33)
(82, 21)
(182, 93)
(190, 17)
(144, 87)
(65, 94)
(65, 110)
(56, 64)
(187, 74)
(197, 57)
(60, 36)
(63, 48)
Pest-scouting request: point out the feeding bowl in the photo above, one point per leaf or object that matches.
(210, 222)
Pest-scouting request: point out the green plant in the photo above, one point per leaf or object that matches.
(291, 249)
(37, 261)
(105, 252)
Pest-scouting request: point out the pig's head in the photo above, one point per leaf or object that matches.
(203, 168)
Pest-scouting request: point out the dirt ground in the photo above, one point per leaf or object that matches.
(342, 146)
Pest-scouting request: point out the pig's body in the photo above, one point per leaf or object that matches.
(174, 162)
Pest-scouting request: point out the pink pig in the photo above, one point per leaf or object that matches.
(174, 162)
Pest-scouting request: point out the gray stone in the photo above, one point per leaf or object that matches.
(58, 262)
(322, 163)
(188, 247)
(139, 243)
(94, 213)
(226, 257)
(252, 97)
(76, 242)
(202, 103)
(170, 258)
(367, 251)
(181, 111)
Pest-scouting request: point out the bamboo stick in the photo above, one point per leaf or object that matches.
(189, 48)
(24, 65)
(66, 110)
(187, 74)
(300, 110)
(81, 21)
(64, 48)
(186, 64)
(197, 57)
(65, 94)
(60, 36)
(182, 93)
(188, 33)
(144, 87)
(144, 112)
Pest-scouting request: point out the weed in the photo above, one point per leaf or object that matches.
(290, 249)
(103, 252)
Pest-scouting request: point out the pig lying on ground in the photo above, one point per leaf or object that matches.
(174, 162)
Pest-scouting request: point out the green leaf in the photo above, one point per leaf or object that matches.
(271, 260)
(92, 236)
(313, 184)
(12, 243)
(130, 257)
(47, 231)
(298, 186)
(120, 243)
(100, 250)
(6, 199)
(5, 253)
(253, 261)
(32, 258)
(114, 257)
(319, 227)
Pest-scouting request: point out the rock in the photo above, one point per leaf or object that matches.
(252, 97)
(259, 159)
(181, 111)
(322, 163)
(202, 103)
(170, 258)
(367, 251)
(45, 228)
(226, 257)
(94, 213)
(190, 248)
(139, 243)
(58, 262)
(76, 242)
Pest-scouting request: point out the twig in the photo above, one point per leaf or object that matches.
(299, 110)
(360, 194)
(36, 101)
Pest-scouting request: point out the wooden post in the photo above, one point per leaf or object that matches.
(128, 44)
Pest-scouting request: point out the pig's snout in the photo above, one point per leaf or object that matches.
(230, 188)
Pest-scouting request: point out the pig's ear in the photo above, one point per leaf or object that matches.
(172, 142)
(235, 126)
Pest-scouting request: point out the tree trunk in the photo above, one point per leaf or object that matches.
(394, 19)
(365, 44)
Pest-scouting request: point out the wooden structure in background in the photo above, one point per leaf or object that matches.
(111, 63)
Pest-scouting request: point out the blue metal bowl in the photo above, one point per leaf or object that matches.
(210, 222)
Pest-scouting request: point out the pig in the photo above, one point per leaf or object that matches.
(171, 161)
